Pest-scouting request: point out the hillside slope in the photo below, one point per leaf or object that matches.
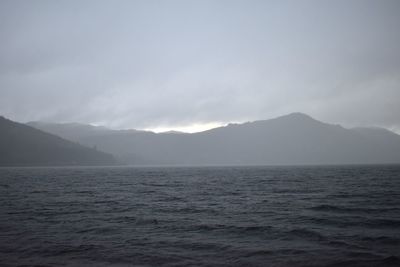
(291, 139)
(22, 145)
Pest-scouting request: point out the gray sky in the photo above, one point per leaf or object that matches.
(195, 64)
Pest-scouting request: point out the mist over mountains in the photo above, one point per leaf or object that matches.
(288, 140)
(22, 145)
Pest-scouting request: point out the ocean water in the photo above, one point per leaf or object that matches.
(217, 216)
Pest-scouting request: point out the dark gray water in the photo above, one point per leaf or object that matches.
(231, 216)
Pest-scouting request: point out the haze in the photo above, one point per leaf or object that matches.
(193, 65)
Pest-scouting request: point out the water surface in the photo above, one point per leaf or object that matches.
(208, 216)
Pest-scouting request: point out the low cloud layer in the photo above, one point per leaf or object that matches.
(166, 64)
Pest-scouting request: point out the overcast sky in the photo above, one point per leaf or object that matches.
(196, 64)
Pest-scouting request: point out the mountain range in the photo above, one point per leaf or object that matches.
(287, 140)
(22, 145)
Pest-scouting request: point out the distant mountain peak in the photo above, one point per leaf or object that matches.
(295, 138)
(297, 116)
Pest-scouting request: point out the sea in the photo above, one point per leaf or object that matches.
(200, 216)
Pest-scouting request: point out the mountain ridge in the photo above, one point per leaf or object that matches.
(291, 139)
(22, 145)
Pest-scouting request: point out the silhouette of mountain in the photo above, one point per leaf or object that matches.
(22, 145)
(291, 139)
(70, 131)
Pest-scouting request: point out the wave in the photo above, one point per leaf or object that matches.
(382, 240)
(390, 261)
(232, 228)
(307, 234)
(349, 221)
(250, 217)
(333, 208)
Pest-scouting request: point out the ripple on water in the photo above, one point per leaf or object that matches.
(261, 216)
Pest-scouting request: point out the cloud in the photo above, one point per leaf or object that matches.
(151, 64)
